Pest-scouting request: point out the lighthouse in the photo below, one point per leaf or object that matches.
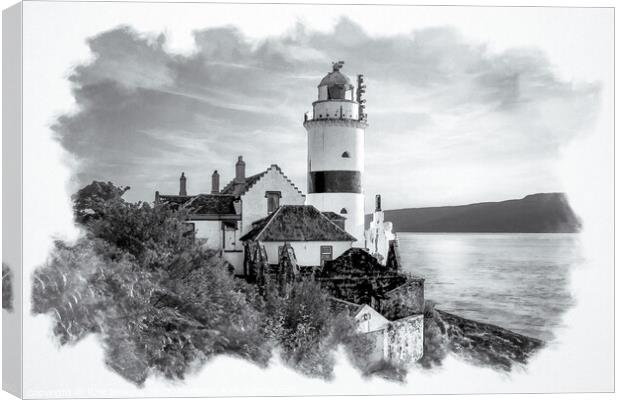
(336, 149)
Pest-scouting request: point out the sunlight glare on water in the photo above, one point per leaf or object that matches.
(516, 281)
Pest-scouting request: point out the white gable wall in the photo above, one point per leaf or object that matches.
(369, 320)
(211, 231)
(254, 202)
(232, 248)
(217, 237)
(307, 253)
(253, 208)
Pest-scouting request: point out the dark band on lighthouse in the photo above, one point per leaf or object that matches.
(335, 182)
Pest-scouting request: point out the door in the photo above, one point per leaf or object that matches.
(327, 253)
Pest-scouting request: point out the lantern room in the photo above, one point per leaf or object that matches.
(335, 85)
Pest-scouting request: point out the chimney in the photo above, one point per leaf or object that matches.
(215, 182)
(240, 170)
(183, 185)
(378, 202)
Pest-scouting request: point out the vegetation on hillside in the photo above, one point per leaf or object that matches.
(161, 303)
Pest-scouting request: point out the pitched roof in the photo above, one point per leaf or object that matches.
(297, 224)
(172, 200)
(211, 204)
(337, 305)
(202, 204)
(239, 189)
(358, 259)
(357, 276)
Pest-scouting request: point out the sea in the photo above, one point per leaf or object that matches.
(518, 281)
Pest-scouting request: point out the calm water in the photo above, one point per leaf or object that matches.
(517, 281)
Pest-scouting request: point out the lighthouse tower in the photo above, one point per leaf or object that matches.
(336, 149)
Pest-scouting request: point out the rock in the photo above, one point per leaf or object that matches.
(475, 342)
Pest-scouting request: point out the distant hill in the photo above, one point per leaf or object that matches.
(541, 212)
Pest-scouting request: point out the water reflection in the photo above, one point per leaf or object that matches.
(517, 281)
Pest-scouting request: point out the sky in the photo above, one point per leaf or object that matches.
(452, 119)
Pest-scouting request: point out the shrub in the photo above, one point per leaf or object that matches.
(7, 288)
(160, 301)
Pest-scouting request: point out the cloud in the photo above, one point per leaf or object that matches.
(439, 106)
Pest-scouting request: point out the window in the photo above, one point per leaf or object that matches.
(273, 201)
(326, 254)
(190, 230)
(280, 254)
(336, 92)
(343, 211)
(346, 155)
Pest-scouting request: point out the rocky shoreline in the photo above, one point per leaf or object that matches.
(475, 342)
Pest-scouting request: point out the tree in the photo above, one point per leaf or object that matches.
(89, 201)
(160, 301)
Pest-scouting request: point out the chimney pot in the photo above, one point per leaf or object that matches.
(240, 170)
(183, 185)
(215, 182)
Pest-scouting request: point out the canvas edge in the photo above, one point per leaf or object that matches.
(12, 366)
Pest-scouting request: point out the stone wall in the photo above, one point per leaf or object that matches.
(403, 301)
(404, 340)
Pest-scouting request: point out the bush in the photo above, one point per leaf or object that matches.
(7, 288)
(435, 342)
(298, 319)
(162, 303)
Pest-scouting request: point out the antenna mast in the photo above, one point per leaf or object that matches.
(361, 89)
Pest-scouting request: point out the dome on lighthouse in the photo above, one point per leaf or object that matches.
(336, 85)
(336, 78)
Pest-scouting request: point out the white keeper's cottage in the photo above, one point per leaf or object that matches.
(223, 216)
(314, 237)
